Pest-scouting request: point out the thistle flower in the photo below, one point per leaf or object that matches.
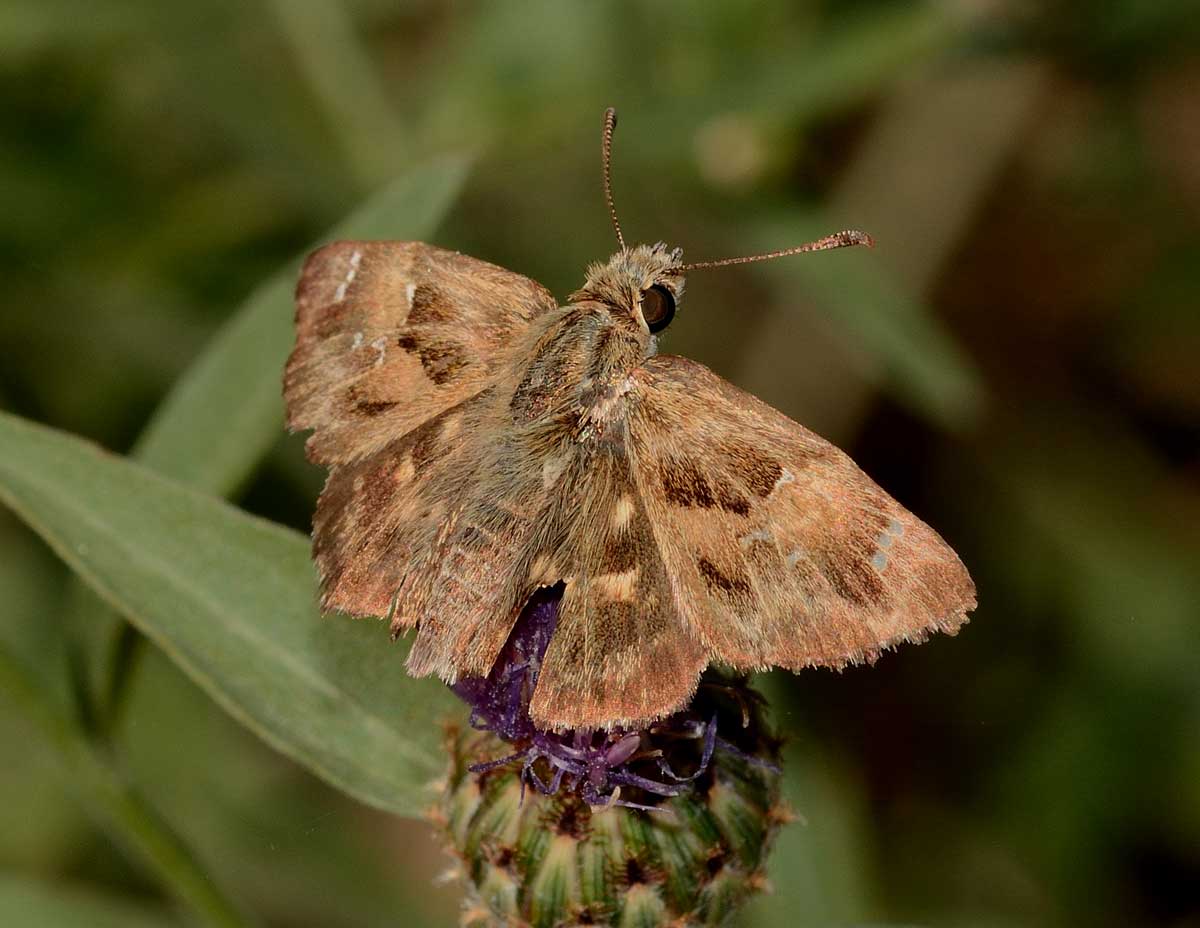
(666, 825)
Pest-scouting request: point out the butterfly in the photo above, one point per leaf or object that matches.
(484, 442)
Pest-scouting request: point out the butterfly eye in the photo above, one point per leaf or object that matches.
(658, 307)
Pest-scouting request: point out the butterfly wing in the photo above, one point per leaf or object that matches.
(389, 334)
(397, 347)
(622, 652)
(782, 551)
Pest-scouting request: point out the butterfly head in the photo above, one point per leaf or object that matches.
(644, 282)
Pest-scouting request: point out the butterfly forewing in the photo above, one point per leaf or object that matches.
(792, 556)
(389, 334)
(398, 348)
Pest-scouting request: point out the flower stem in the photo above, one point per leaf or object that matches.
(112, 802)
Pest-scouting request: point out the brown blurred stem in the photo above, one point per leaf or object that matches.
(117, 808)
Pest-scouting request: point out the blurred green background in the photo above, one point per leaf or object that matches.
(1016, 361)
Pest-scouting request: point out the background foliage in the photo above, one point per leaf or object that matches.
(1015, 361)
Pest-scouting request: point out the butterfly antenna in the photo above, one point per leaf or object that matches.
(610, 125)
(837, 240)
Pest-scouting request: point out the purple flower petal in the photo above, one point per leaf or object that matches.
(594, 765)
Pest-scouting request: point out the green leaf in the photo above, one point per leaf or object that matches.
(344, 83)
(34, 904)
(231, 598)
(226, 411)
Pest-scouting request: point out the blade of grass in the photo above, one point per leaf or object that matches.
(342, 79)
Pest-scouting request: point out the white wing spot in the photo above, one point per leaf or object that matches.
(380, 345)
(405, 471)
(760, 534)
(620, 587)
(794, 557)
(410, 291)
(894, 530)
(879, 561)
(355, 261)
(551, 469)
(784, 479)
(622, 512)
(451, 426)
(358, 341)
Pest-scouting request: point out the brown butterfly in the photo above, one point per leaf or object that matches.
(484, 441)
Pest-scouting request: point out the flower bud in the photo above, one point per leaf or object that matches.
(669, 825)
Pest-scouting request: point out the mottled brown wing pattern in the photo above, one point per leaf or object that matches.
(398, 346)
(621, 653)
(389, 334)
(479, 565)
(783, 551)
(379, 513)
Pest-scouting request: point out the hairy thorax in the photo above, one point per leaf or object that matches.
(576, 372)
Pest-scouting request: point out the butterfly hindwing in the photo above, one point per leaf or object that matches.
(792, 556)
(622, 652)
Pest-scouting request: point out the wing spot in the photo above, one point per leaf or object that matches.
(793, 557)
(428, 306)
(406, 470)
(451, 426)
(879, 561)
(622, 512)
(551, 470)
(893, 531)
(759, 534)
(785, 477)
(716, 580)
(685, 486)
(759, 473)
(373, 407)
(618, 586)
(441, 359)
(380, 345)
(340, 293)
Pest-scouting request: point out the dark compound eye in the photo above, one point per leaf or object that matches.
(658, 307)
